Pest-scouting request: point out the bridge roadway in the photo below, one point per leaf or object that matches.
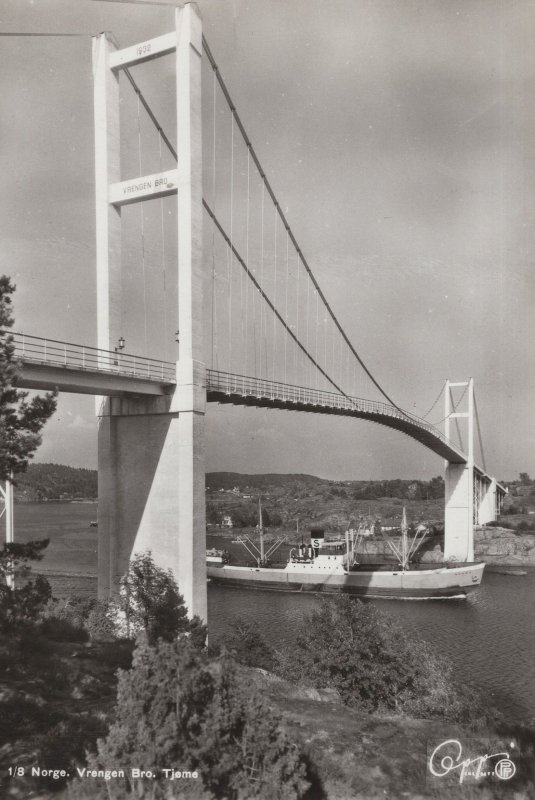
(49, 364)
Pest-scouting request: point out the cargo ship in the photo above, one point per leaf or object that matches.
(334, 565)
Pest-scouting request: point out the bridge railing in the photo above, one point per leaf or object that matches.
(273, 390)
(51, 352)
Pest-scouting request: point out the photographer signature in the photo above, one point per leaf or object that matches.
(442, 763)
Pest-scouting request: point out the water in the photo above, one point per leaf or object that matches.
(489, 638)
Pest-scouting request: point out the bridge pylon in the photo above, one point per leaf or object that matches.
(459, 477)
(151, 460)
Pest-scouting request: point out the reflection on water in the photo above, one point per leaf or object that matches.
(490, 637)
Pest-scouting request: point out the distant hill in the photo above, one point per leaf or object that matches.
(59, 482)
(55, 482)
(230, 480)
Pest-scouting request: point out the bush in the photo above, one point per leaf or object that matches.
(74, 609)
(101, 623)
(355, 649)
(176, 708)
(248, 646)
(22, 716)
(62, 630)
(65, 746)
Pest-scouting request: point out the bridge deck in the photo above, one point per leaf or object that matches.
(74, 368)
(222, 387)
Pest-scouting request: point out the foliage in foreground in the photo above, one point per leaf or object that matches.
(248, 646)
(176, 708)
(21, 420)
(352, 647)
(26, 601)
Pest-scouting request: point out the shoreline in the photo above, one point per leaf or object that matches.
(495, 546)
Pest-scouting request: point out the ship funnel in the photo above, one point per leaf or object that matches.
(317, 535)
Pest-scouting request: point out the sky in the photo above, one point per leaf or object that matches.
(399, 138)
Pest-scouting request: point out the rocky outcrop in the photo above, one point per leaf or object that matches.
(501, 546)
(504, 546)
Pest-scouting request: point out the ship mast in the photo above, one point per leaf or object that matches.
(261, 532)
(404, 548)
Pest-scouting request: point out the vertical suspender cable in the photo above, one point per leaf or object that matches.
(231, 241)
(229, 303)
(244, 338)
(297, 313)
(333, 342)
(163, 259)
(214, 292)
(286, 304)
(317, 327)
(274, 344)
(243, 346)
(262, 277)
(325, 341)
(307, 380)
(254, 331)
(341, 361)
(142, 230)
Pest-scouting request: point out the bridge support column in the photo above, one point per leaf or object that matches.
(149, 494)
(459, 511)
(459, 483)
(487, 511)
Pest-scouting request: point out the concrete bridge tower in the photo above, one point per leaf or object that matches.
(151, 461)
(459, 480)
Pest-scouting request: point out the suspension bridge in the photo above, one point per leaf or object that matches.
(240, 300)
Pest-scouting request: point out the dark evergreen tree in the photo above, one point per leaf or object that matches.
(177, 709)
(21, 420)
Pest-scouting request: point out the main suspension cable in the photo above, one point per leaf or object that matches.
(284, 220)
(436, 401)
(284, 324)
(476, 415)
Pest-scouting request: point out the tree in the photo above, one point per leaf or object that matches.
(22, 604)
(525, 480)
(175, 708)
(436, 488)
(21, 420)
(152, 603)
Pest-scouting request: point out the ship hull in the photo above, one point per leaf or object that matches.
(421, 584)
